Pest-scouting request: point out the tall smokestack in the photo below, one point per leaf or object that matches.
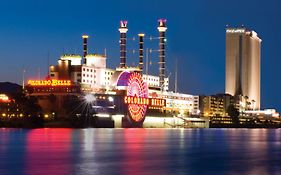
(162, 39)
(141, 35)
(123, 30)
(85, 47)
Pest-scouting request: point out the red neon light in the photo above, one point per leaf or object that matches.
(52, 82)
(152, 102)
(137, 93)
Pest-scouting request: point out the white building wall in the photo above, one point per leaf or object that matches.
(87, 75)
(153, 81)
(96, 77)
(95, 60)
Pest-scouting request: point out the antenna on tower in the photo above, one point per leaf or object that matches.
(23, 76)
(176, 76)
(105, 52)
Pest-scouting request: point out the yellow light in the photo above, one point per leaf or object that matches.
(46, 116)
(4, 115)
(52, 82)
(141, 34)
(85, 36)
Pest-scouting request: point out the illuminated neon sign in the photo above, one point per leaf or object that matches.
(235, 31)
(52, 82)
(137, 94)
(137, 99)
(152, 102)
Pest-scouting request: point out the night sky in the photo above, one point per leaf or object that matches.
(32, 30)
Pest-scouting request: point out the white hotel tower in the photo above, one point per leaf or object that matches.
(243, 48)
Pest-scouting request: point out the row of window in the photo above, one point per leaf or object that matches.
(87, 75)
(91, 70)
(88, 70)
(89, 81)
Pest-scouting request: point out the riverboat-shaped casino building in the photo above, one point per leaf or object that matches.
(125, 95)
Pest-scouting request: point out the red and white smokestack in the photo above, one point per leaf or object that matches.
(141, 35)
(85, 47)
(123, 30)
(162, 39)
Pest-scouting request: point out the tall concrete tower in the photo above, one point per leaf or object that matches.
(85, 47)
(162, 39)
(243, 64)
(141, 35)
(123, 37)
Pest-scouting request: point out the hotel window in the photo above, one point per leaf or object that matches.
(83, 75)
(83, 69)
(52, 75)
(79, 74)
(91, 70)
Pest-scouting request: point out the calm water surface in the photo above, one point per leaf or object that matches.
(140, 151)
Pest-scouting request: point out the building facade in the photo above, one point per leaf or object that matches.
(215, 105)
(243, 64)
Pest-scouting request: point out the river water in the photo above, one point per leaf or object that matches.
(140, 151)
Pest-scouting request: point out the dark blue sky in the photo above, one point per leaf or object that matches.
(195, 36)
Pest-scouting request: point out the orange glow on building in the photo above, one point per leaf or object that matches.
(52, 82)
(4, 98)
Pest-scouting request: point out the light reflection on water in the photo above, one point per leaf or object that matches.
(140, 151)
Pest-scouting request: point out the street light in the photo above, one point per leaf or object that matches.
(89, 98)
